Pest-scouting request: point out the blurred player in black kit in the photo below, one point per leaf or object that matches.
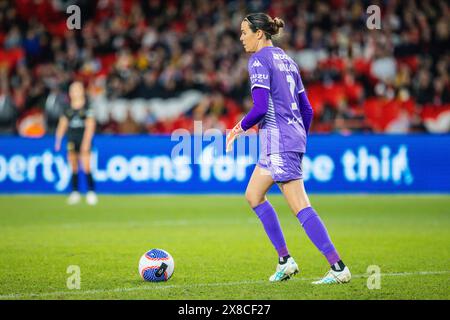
(79, 122)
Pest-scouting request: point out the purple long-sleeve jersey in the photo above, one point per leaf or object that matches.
(261, 105)
(282, 128)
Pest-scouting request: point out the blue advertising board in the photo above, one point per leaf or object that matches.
(154, 164)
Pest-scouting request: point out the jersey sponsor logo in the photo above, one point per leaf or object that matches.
(280, 56)
(258, 77)
(76, 123)
(256, 63)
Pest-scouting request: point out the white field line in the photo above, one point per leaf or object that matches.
(154, 223)
(199, 285)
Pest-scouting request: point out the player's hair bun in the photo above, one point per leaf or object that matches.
(262, 21)
(276, 25)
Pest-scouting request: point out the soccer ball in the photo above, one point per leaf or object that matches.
(156, 265)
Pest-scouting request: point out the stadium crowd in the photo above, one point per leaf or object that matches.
(142, 54)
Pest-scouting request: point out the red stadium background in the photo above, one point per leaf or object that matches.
(153, 66)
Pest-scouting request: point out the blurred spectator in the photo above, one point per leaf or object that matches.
(53, 108)
(8, 112)
(129, 125)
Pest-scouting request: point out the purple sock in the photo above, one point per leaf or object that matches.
(269, 219)
(317, 233)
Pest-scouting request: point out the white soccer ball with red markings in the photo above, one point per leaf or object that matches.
(156, 265)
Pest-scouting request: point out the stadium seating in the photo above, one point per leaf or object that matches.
(134, 53)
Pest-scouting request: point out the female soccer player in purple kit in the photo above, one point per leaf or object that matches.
(284, 114)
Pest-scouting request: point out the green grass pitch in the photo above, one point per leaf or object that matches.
(220, 248)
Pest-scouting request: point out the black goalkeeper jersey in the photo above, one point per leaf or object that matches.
(77, 118)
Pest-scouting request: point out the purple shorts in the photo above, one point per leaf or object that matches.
(283, 167)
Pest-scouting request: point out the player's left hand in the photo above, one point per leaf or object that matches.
(234, 133)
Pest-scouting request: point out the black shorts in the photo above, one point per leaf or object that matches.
(74, 144)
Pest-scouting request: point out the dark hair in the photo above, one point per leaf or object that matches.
(263, 22)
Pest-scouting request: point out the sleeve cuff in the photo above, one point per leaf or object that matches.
(260, 86)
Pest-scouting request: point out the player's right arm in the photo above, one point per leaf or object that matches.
(63, 124)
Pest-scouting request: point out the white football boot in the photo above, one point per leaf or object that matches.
(285, 271)
(74, 198)
(91, 198)
(332, 277)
